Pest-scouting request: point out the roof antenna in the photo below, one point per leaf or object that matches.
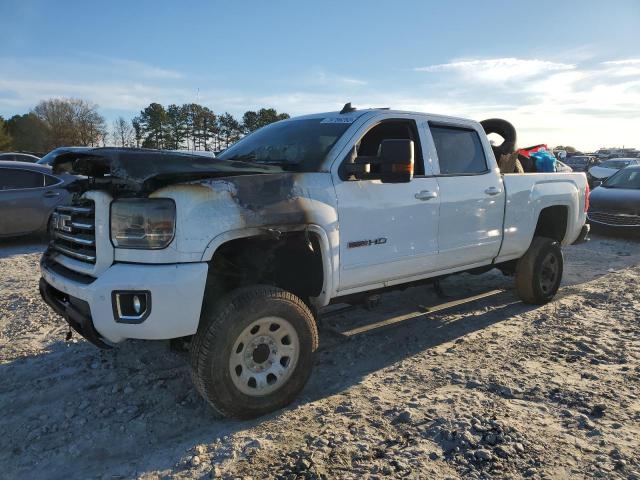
(347, 108)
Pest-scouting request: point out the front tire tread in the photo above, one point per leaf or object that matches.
(214, 325)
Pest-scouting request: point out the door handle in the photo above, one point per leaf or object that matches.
(492, 191)
(51, 194)
(426, 195)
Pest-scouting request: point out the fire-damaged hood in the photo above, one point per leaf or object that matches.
(139, 170)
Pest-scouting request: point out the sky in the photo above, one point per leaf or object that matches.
(563, 72)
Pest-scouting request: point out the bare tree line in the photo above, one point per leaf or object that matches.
(60, 122)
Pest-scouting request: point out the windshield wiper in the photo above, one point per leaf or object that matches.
(245, 156)
(282, 163)
(251, 158)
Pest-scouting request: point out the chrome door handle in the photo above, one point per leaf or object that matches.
(51, 194)
(492, 191)
(426, 195)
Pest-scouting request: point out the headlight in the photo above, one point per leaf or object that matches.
(148, 223)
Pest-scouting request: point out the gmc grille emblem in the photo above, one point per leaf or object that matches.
(62, 222)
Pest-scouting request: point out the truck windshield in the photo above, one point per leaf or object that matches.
(296, 145)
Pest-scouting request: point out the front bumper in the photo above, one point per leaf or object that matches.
(176, 290)
(75, 311)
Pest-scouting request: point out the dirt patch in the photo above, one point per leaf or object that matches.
(491, 389)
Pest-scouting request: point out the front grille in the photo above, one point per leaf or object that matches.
(615, 219)
(74, 231)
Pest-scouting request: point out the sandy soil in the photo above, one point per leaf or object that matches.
(487, 389)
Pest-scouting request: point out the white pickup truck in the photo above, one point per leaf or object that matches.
(240, 252)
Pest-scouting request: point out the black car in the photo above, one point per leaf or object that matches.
(581, 163)
(616, 203)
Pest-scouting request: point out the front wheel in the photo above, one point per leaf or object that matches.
(254, 350)
(539, 271)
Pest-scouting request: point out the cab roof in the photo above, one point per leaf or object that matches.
(370, 111)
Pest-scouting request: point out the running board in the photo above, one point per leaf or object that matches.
(423, 312)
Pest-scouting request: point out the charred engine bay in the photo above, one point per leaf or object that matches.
(139, 171)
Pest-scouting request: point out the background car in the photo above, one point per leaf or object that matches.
(563, 167)
(18, 157)
(598, 174)
(616, 203)
(28, 195)
(581, 163)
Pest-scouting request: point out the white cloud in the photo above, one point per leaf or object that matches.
(320, 77)
(587, 104)
(556, 103)
(25, 94)
(622, 68)
(135, 68)
(498, 69)
(629, 61)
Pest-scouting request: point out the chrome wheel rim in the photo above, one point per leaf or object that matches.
(549, 273)
(264, 356)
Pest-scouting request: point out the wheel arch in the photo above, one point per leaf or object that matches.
(277, 237)
(553, 222)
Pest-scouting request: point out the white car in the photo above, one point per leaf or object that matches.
(598, 174)
(241, 254)
(562, 167)
(18, 157)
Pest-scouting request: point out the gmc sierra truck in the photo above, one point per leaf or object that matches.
(239, 253)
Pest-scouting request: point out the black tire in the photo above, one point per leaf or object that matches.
(222, 323)
(539, 271)
(506, 131)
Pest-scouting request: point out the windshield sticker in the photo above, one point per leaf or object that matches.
(338, 120)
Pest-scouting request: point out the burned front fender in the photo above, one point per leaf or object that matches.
(239, 206)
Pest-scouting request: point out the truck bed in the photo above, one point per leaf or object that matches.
(527, 194)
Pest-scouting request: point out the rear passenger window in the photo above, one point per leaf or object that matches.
(17, 179)
(459, 150)
(49, 180)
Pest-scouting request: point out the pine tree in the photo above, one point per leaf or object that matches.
(153, 121)
(5, 138)
(176, 126)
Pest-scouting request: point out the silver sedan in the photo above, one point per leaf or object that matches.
(28, 195)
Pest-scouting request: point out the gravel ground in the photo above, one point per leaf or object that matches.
(487, 389)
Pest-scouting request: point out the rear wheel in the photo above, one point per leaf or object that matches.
(539, 271)
(253, 352)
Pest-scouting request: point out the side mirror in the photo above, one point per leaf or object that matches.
(393, 164)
